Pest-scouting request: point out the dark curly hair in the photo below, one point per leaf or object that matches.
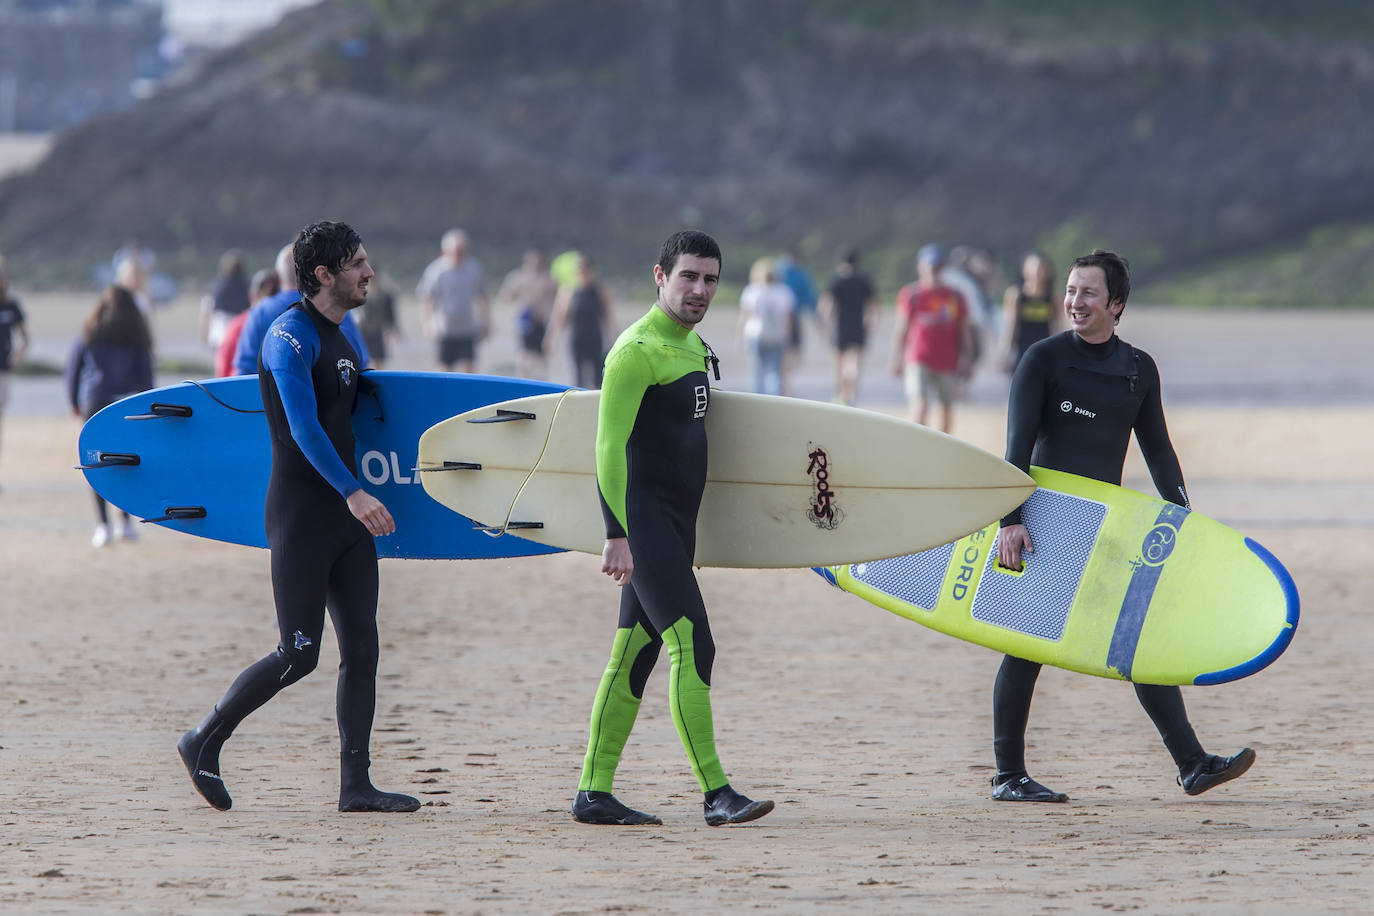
(324, 244)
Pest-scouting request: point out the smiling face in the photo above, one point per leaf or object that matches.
(686, 293)
(348, 288)
(1089, 313)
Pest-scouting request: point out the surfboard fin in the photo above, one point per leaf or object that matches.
(497, 531)
(452, 466)
(111, 460)
(158, 411)
(172, 513)
(504, 416)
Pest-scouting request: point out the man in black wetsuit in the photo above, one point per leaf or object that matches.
(1075, 399)
(320, 523)
(651, 471)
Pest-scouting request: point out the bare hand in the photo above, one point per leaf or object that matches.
(616, 560)
(1011, 541)
(369, 510)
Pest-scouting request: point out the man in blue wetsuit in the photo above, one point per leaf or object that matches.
(1076, 398)
(261, 316)
(320, 522)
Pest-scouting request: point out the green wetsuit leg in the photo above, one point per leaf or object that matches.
(633, 654)
(690, 699)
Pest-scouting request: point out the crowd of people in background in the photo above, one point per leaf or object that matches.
(942, 320)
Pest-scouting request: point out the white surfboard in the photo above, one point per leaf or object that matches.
(790, 483)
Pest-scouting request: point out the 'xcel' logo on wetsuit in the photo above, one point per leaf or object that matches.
(346, 370)
(285, 335)
(823, 513)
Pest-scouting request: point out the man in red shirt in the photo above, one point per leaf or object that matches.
(933, 339)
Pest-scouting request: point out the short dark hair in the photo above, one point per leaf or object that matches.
(1115, 268)
(323, 244)
(688, 241)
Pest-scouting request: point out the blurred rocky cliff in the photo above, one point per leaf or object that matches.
(608, 123)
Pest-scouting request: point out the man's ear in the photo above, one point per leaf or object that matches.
(323, 275)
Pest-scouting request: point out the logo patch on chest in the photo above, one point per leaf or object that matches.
(1069, 407)
(346, 371)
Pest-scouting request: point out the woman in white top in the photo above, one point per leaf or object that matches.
(767, 309)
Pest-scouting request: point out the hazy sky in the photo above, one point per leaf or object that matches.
(218, 22)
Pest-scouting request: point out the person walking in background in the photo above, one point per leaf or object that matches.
(586, 310)
(261, 316)
(849, 307)
(932, 337)
(379, 325)
(1075, 399)
(228, 298)
(1029, 310)
(321, 524)
(791, 273)
(767, 315)
(111, 358)
(530, 290)
(651, 472)
(263, 285)
(453, 305)
(11, 329)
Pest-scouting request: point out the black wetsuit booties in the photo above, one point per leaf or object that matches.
(321, 556)
(1073, 408)
(651, 471)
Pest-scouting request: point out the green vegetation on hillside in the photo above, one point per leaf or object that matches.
(1069, 21)
(1079, 21)
(1331, 267)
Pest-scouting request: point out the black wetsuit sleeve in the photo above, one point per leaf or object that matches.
(1024, 406)
(1153, 435)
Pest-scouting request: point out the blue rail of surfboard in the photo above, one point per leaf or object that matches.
(1280, 643)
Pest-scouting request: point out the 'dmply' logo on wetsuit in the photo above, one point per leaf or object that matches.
(823, 513)
(702, 400)
(1067, 407)
(1158, 545)
(346, 370)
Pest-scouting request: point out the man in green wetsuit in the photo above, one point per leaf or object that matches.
(651, 471)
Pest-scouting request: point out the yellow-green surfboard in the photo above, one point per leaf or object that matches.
(1121, 585)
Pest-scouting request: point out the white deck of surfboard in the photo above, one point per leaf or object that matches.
(790, 483)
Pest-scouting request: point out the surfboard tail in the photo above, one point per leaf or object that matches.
(827, 573)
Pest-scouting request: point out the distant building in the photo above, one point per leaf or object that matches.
(63, 61)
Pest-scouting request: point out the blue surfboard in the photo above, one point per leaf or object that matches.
(196, 458)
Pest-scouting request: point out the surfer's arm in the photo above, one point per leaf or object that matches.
(289, 356)
(900, 328)
(369, 510)
(1153, 435)
(1024, 406)
(617, 561)
(628, 376)
(1012, 540)
(75, 364)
